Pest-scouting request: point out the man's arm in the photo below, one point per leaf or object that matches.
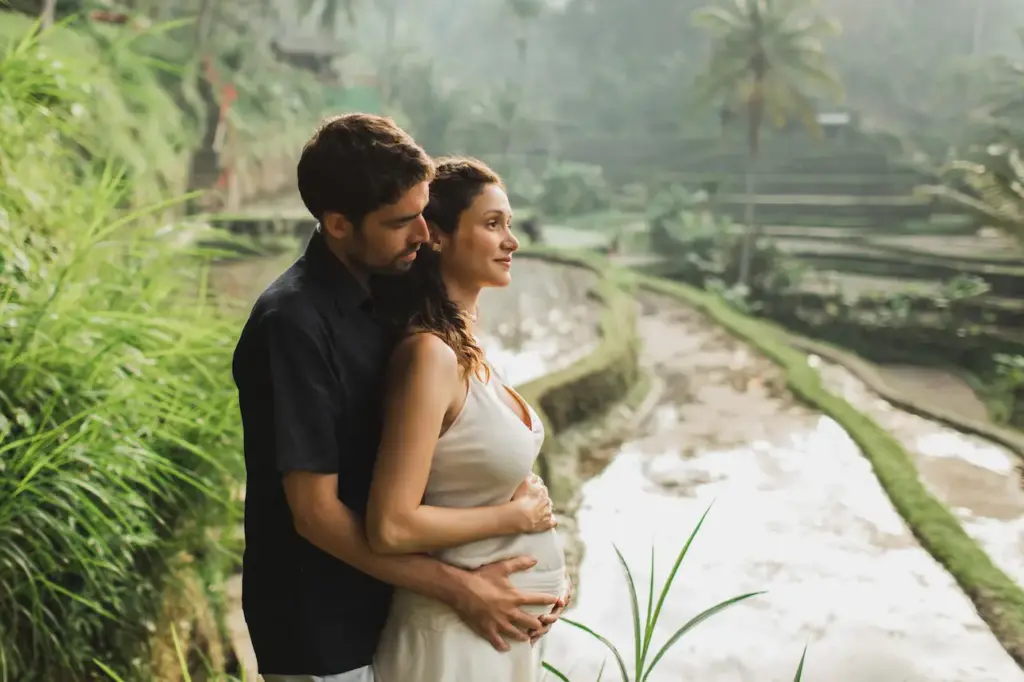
(305, 391)
(484, 598)
(424, 383)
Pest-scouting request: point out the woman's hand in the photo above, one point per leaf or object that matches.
(532, 505)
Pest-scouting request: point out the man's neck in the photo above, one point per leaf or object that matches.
(360, 273)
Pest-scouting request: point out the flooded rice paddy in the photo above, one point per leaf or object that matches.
(795, 510)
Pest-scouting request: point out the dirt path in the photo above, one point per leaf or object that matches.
(932, 386)
(797, 511)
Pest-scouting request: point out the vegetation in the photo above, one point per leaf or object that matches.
(999, 600)
(118, 441)
(766, 62)
(118, 451)
(990, 182)
(645, 659)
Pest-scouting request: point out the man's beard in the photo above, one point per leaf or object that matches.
(396, 266)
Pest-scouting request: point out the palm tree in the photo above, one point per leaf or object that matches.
(992, 191)
(524, 11)
(991, 184)
(768, 61)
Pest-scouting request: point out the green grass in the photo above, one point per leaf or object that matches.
(645, 658)
(998, 599)
(119, 442)
(137, 120)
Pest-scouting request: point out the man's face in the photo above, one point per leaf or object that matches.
(388, 239)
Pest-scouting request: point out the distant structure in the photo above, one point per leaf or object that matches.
(837, 124)
(311, 53)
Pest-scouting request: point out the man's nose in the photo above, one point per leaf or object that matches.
(422, 232)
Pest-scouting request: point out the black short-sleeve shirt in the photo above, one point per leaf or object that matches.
(309, 367)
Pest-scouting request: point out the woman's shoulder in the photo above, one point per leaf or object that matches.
(419, 348)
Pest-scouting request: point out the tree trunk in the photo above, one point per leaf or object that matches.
(203, 22)
(755, 111)
(750, 217)
(48, 14)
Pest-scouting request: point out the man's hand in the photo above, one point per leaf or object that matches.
(549, 619)
(492, 607)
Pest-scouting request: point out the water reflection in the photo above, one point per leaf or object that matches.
(545, 321)
(797, 511)
(972, 476)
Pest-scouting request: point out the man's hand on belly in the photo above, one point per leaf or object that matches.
(492, 607)
(547, 621)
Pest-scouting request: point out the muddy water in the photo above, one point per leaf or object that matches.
(975, 478)
(543, 322)
(797, 511)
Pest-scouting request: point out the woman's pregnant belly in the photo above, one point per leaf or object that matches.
(546, 576)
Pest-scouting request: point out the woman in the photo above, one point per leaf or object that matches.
(455, 435)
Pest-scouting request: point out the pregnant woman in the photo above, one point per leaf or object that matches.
(456, 435)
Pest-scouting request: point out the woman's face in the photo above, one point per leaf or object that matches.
(479, 254)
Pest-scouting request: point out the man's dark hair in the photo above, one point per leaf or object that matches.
(357, 163)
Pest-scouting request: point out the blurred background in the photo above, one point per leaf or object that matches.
(774, 260)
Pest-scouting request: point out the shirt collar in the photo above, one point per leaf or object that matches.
(325, 266)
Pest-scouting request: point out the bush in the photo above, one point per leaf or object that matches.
(572, 189)
(705, 248)
(119, 441)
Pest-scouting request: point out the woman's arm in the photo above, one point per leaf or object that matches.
(423, 382)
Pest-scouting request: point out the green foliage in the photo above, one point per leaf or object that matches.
(767, 58)
(705, 250)
(645, 659)
(118, 436)
(993, 191)
(138, 123)
(573, 189)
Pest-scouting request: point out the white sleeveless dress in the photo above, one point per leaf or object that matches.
(479, 461)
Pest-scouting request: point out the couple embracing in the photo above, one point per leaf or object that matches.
(394, 530)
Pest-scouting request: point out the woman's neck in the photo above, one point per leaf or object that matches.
(466, 298)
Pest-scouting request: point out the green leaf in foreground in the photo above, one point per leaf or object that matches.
(800, 668)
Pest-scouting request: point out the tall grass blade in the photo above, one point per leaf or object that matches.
(556, 672)
(623, 669)
(800, 668)
(635, 608)
(650, 601)
(694, 622)
(108, 672)
(180, 652)
(671, 578)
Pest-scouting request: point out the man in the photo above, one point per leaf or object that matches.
(309, 367)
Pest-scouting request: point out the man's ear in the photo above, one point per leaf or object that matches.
(336, 225)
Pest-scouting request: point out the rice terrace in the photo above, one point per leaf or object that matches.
(767, 301)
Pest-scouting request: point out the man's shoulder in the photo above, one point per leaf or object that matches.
(291, 300)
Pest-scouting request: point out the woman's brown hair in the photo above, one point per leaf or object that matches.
(420, 301)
